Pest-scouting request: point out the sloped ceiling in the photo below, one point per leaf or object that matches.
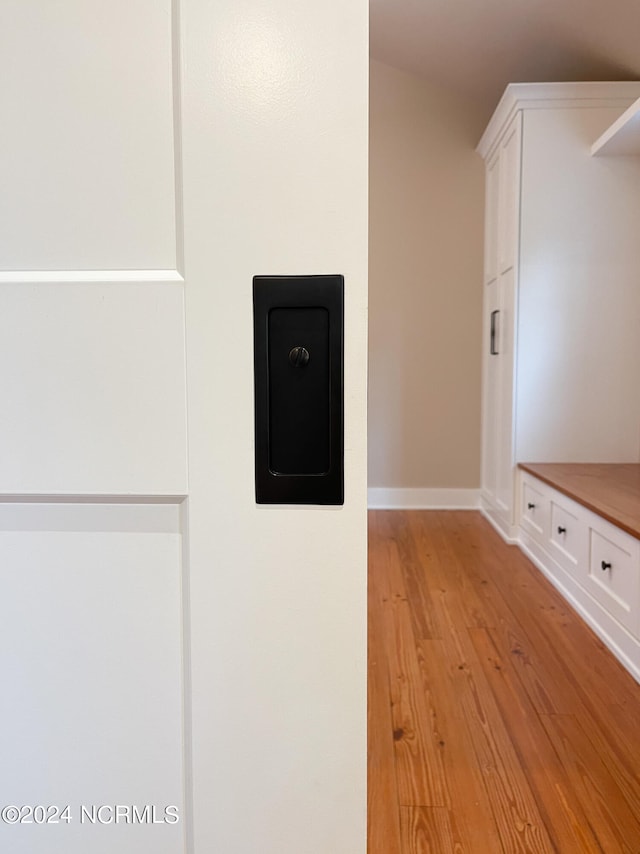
(476, 47)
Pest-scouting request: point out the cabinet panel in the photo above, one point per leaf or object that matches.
(509, 216)
(534, 508)
(504, 432)
(491, 393)
(614, 573)
(491, 219)
(568, 535)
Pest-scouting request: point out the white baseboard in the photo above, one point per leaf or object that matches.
(509, 533)
(383, 498)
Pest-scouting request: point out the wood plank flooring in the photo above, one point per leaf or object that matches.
(498, 722)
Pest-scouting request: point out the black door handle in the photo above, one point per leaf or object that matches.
(493, 349)
(561, 530)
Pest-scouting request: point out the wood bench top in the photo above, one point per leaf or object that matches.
(612, 490)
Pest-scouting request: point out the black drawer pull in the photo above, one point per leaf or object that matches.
(605, 565)
(561, 530)
(531, 506)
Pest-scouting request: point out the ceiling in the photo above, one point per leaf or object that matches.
(476, 47)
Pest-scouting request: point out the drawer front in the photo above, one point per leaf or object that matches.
(614, 574)
(569, 535)
(534, 508)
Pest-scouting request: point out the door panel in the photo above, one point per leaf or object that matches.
(94, 400)
(88, 165)
(91, 652)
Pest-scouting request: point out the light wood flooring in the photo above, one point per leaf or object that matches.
(498, 722)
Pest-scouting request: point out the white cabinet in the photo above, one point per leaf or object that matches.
(561, 310)
(567, 535)
(614, 573)
(509, 194)
(593, 563)
(501, 249)
(534, 507)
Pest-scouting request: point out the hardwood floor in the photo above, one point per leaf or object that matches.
(498, 722)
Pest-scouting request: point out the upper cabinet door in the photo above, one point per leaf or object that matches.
(491, 218)
(509, 204)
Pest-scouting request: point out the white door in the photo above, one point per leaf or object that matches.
(183, 672)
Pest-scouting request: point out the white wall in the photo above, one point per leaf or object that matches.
(425, 258)
(275, 145)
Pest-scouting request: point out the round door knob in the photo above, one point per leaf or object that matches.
(605, 565)
(530, 506)
(299, 357)
(561, 530)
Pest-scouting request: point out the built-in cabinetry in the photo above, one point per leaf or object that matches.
(592, 561)
(561, 360)
(561, 344)
(501, 262)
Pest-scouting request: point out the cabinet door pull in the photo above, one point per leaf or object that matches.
(605, 565)
(531, 506)
(561, 530)
(493, 348)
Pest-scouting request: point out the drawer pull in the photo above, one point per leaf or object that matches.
(493, 349)
(605, 565)
(561, 530)
(531, 506)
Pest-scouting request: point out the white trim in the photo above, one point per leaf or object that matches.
(64, 276)
(508, 533)
(178, 157)
(115, 517)
(545, 95)
(384, 498)
(623, 137)
(88, 498)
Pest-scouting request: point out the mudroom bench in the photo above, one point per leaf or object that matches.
(580, 524)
